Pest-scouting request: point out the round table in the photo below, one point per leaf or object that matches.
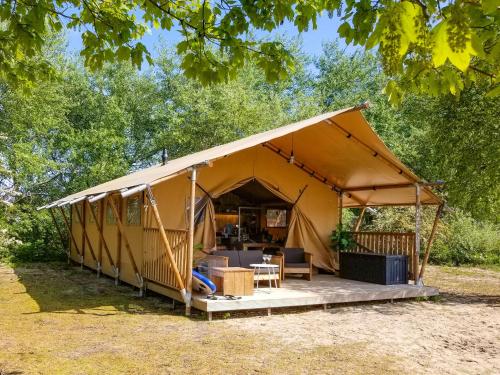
(271, 270)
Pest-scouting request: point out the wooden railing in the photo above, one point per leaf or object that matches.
(386, 243)
(156, 266)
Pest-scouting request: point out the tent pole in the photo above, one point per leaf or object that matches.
(63, 243)
(68, 227)
(189, 273)
(101, 235)
(360, 219)
(341, 206)
(418, 218)
(83, 231)
(429, 242)
(99, 225)
(119, 246)
(127, 246)
(164, 238)
(85, 236)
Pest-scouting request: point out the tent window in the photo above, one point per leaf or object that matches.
(276, 218)
(134, 211)
(96, 209)
(110, 217)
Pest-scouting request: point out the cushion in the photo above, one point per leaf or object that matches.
(233, 261)
(294, 255)
(296, 265)
(250, 256)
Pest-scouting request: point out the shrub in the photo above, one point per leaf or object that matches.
(460, 239)
(29, 236)
(463, 240)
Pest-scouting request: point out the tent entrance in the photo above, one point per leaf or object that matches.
(251, 216)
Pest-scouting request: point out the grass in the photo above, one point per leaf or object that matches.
(472, 283)
(59, 319)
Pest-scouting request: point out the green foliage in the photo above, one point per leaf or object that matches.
(460, 239)
(86, 128)
(82, 128)
(341, 239)
(463, 240)
(431, 46)
(458, 140)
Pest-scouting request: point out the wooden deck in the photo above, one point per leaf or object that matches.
(322, 290)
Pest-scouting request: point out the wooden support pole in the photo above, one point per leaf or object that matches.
(360, 219)
(100, 225)
(101, 234)
(192, 207)
(341, 206)
(85, 235)
(418, 218)
(68, 227)
(168, 248)
(127, 245)
(430, 241)
(59, 231)
(118, 246)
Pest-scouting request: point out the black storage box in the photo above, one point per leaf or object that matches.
(374, 268)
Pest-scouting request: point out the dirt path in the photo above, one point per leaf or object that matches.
(55, 319)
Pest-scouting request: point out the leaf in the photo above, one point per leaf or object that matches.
(490, 6)
(442, 51)
(494, 92)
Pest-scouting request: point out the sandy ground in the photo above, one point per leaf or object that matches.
(60, 320)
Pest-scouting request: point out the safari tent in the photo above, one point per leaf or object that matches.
(147, 228)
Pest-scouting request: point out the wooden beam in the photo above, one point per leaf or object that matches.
(164, 238)
(100, 227)
(68, 227)
(418, 219)
(391, 186)
(379, 187)
(430, 241)
(121, 229)
(311, 172)
(101, 234)
(85, 235)
(118, 246)
(59, 232)
(391, 205)
(189, 270)
(360, 219)
(341, 206)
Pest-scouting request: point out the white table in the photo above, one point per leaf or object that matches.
(271, 270)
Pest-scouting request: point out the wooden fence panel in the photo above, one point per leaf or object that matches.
(386, 243)
(156, 266)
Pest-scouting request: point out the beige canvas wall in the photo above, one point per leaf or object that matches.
(116, 246)
(317, 206)
(313, 218)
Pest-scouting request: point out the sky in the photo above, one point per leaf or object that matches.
(312, 40)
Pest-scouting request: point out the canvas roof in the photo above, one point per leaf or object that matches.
(339, 147)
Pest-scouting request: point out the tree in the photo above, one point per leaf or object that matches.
(433, 46)
(458, 140)
(345, 79)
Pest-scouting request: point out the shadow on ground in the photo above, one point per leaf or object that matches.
(62, 288)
